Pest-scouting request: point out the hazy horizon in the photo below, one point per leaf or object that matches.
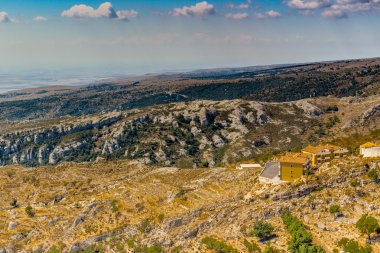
(13, 80)
(137, 37)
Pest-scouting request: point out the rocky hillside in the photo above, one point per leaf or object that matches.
(187, 135)
(265, 84)
(125, 207)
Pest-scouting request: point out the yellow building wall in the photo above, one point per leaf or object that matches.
(291, 171)
(314, 161)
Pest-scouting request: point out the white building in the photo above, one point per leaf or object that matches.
(370, 149)
(248, 166)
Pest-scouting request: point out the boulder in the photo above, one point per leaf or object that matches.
(12, 225)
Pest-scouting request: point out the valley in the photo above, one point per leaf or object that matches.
(148, 164)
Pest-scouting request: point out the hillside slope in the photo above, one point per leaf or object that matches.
(193, 134)
(120, 206)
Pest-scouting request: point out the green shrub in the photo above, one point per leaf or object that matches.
(301, 239)
(29, 211)
(252, 247)
(145, 226)
(334, 209)
(351, 246)
(270, 249)
(177, 249)
(355, 183)
(14, 203)
(218, 246)
(262, 230)
(151, 249)
(367, 225)
(373, 174)
(204, 164)
(114, 206)
(53, 250)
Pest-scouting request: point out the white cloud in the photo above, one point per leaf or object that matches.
(240, 6)
(268, 14)
(127, 14)
(259, 15)
(4, 18)
(335, 8)
(308, 4)
(105, 10)
(342, 8)
(237, 16)
(40, 19)
(200, 9)
(273, 14)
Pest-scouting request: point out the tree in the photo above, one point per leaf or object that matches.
(262, 229)
(367, 225)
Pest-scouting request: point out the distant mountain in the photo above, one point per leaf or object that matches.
(278, 83)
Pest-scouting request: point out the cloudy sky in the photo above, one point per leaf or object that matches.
(139, 36)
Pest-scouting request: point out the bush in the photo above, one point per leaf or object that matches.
(334, 209)
(204, 164)
(151, 249)
(355, 183)
(367, 225)
(14, 203)
(145, 226)
(351, 246)
(252, 247)
(262, 230)
(301, 239)
(29, 211)
(373, 174)
(218, 246)
(270, 249)
(114, 206)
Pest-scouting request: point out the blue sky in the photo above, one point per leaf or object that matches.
(135, 37)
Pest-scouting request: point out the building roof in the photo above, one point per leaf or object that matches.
(319, 148)
(294, 158)
(370, 145)
(272, 169)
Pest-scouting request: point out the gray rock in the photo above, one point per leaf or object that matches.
(174, 223)
(53, 221)
(12, 225)
(370, 112)
(218, 141)
(79, 220)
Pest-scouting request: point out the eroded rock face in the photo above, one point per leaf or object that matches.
(370, 113)
(167, 134)
(308, 108)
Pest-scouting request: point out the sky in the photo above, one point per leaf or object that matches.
(89, 39)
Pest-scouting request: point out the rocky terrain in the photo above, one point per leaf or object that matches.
(121, 206)
(192, 134)
(147, 164)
